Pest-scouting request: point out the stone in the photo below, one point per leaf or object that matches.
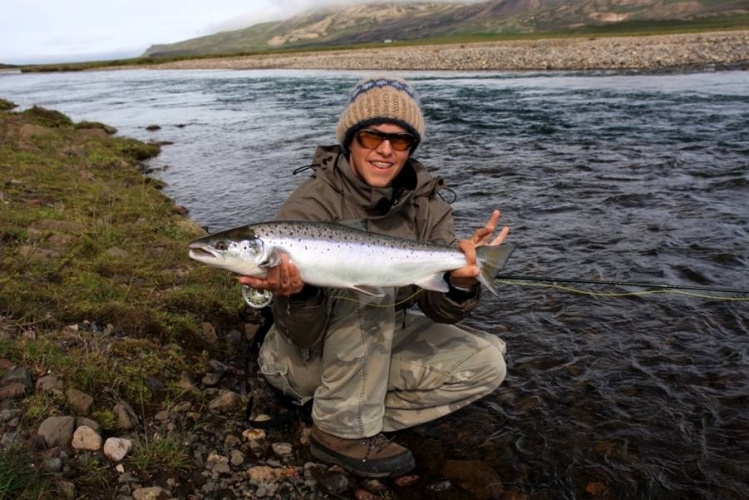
(262, 474)
(226, 401)
(257, 441)
(89, 422)
(126, 417)
(18, 374)
(66, 489)
(80, 402)
(236, 457)
(152, 493)
(283, 449)
(14, 390)
(116, 449)
(57, 431)
(50, 384)
(85, 438)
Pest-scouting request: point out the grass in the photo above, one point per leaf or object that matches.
(162, 451)
(84, 235)
(97, 288)
(86, 239)
(18, 478)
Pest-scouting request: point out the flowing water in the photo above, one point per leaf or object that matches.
(600, 176)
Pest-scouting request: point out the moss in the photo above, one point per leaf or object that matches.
(106, 418)
(86, 125)
(6, 105)
(137, 150)
(47, 117)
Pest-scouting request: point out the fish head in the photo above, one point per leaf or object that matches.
(241, 253)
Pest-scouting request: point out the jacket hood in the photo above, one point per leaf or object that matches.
(414, 181)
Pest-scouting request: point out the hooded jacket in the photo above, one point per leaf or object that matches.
(409, 208)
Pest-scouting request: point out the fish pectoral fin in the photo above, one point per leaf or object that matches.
(372, 291)
(272, 259)
(434, 282)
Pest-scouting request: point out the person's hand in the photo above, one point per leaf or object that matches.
(465, 277)
(283, 279)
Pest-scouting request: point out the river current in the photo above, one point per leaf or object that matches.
(610, 393)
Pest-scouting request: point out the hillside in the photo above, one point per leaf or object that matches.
(384, 22)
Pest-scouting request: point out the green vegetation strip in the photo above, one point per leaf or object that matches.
(90, 250)
(86, 236)
(96, 287)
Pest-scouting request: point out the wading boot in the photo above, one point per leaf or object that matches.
(374, 456)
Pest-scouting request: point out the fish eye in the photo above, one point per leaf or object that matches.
(221, 245)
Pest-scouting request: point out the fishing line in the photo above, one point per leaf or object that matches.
(395, 304)
(687, 290)
(260, 299)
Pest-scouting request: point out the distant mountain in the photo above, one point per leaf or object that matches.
(382, 21)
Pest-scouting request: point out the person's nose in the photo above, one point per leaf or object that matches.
(385, 148)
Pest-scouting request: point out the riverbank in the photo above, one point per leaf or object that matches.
(124, 364)
(646, 53)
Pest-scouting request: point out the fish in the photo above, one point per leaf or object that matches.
(339, 255)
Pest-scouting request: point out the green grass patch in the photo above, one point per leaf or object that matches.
(162, 451)
(19, 479)
(97, 287)
(86, 236)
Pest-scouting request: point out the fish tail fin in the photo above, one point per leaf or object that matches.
(491, 260)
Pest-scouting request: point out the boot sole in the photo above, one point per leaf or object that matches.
(333, 458)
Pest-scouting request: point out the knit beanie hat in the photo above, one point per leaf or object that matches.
(381, 99)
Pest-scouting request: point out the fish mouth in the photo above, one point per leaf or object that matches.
(200, 251)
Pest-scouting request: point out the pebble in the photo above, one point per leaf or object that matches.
(85, 438)
(652, 53)
(116, 449)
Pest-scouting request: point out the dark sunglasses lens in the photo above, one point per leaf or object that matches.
(371, 139)
(401, 142)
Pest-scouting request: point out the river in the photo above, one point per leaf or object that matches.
(611, 393)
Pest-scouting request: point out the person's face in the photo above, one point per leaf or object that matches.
(377, 160)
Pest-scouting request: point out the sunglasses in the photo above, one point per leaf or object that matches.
(371, 139)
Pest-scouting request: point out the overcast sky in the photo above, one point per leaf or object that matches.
(46, 31)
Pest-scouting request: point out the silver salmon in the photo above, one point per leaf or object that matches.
(340, 256)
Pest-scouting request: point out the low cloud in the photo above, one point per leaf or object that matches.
(285, 9)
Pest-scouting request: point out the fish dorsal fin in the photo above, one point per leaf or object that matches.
(434, 282)
(372, 291)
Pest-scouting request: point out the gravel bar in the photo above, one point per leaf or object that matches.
(729, 49)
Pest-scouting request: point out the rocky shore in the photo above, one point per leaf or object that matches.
(646, 53)
(204, 443)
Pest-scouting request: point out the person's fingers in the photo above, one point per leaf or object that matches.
(501, 236)
(481, 236)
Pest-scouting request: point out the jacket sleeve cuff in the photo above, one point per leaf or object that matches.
(460, 294)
